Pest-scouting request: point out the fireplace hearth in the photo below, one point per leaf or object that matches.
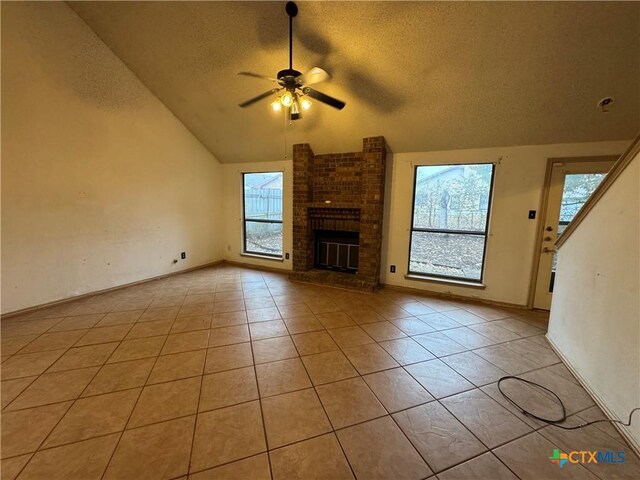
(338, 202)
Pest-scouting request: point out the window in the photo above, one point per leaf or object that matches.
(262, 220)
(450, 220)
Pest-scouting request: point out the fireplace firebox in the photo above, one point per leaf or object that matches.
(336, 250)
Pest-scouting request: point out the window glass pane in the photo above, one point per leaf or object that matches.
(263, 196)
(452, 197)
(263, 237)
(446, 254)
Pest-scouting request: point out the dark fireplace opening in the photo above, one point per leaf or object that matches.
(337, 250)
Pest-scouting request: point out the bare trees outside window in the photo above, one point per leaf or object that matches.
(450, 220)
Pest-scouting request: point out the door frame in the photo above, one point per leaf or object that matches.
(542, 212)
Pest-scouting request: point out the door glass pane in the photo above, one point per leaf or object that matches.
(578, 187)
(263, 237)
(263, 196)
(450, 255)
(452, 197)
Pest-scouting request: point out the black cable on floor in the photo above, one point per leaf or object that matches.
(554, 422)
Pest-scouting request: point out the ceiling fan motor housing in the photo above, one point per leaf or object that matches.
(291, 9)
(288, 77)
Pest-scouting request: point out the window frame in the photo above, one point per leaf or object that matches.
(485, 233)
(245, 219)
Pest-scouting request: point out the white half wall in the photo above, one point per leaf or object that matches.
(232, 194)
(101, 184)
(595, 311)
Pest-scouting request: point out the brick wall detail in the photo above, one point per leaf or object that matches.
(353, 183)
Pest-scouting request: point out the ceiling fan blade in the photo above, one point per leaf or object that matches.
(321, 97)
(257, 75)
(315, 75)
(259, 97)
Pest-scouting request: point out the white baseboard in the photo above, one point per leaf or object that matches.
(624, 431)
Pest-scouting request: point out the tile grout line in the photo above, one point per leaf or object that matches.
(197, 414)
(115, 449)
(224, 464)
(264, 426)
(315, 390)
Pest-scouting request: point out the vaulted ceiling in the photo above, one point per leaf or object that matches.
(426, 75)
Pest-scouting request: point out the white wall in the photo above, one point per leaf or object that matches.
(518, 188)
(232, 194)
(101, 184)
(595, 312)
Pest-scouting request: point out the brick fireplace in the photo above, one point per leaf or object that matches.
(338, 196)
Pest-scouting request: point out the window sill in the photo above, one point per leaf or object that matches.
(262, 257)
(448, 281)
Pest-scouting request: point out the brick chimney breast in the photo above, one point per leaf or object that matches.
(339, 192)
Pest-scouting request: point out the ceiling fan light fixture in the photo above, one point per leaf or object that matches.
(276, 105)
(305, 103)
(295, 109)
(286, 99)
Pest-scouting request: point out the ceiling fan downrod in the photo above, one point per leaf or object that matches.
(292, 11)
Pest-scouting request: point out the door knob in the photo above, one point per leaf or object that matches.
(549, 229)
(548, 250)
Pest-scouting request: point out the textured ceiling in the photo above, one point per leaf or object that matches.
(426, 75)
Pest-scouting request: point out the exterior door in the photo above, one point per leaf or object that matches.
(572, 183)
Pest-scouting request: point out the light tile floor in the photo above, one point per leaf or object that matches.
(238, 374)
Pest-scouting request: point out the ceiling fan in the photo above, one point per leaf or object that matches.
(297, 92)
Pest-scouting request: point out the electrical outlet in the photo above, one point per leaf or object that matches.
(183, 255)
(393, 269)
(532, 214)
(286, 256)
